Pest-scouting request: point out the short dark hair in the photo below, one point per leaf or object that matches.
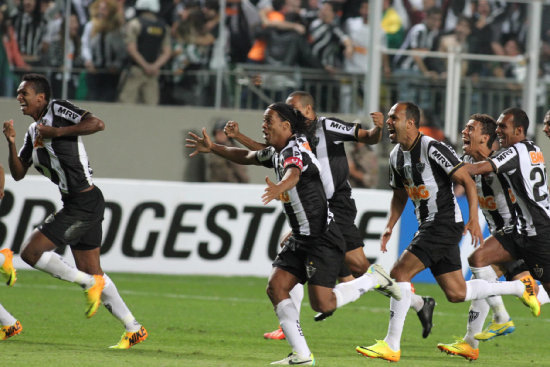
(305, 98)
(293, 116)
(520, 117)
(412, 111)
(488, 126)
(39, 83)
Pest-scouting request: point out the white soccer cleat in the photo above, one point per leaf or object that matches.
(385, 282)
(296, 359)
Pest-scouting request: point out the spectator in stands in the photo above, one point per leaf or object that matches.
(363, 166)
(192, 45)
(220, 169)
(273, 16)
(510, 23)
(103, 50)
(30, 27)
(429, 126)
(421, 37)
(481, 37)
(148, 44)
(392, 24)
(453, 11)
(56, 54)
(357, 28)
(457, 41)
(328, 39)
(10, 57)
(243, 19)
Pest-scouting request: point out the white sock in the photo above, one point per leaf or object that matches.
(289, 319)
(416, 302)
(479, 289)
(351, 291)
(398, 313)
(52, 263)
(542, 296)
(479, 309)
(114, 303)
(297, 295)
(500, 315)
(6, 319)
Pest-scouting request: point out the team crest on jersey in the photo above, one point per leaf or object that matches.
(420, 167)
(537, 271)
(310, 269)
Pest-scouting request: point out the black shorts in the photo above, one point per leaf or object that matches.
(436, 245)
(343, 207)
(513, 268)
(78, 223)
(315, 260)
(534, 250)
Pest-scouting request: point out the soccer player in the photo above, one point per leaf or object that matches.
(53, 144)
(478, 137)
(9, 326)
(424, 170)
(326, 137)
(315, 251)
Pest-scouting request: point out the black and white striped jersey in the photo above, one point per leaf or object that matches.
(63, 160)
(326, 42)
(327, 139)
(496, 199)
(305, 204)
(523, 166)
(425, 173)
(419, 36)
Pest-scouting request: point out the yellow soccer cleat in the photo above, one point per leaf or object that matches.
(130, 339)
(380, 350)
(10, 330)
(529, 298)
(93, 295)
(494, 330)
(7, 269)
(460, 348)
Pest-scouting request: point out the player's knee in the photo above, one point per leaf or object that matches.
(323, 306)
(476, 260)
(455, 297)
(29, 256)
(359, 269)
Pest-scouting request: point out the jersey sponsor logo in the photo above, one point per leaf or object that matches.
(294, 161)
(536, 157)
(284, 197)
(511, 196)
(38, 142)
(504, 155)
(441, 159)
(417, 192)
(306, 146)
(487, 202)
(68, 114)
(336, 126)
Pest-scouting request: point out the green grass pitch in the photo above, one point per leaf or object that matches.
(219, 321)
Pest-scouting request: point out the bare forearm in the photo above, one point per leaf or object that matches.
(372, 136)
(249, 143)
(398, 202)
(17, 169)
(237, 155)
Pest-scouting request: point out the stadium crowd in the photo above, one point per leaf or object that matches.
(114, 58)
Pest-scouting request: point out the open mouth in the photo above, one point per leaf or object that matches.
(391, 132)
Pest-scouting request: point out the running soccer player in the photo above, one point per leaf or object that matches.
(326, 137)
(9, 326)
(498, 209)
(53, 144)
(424, 170)
(315, 251)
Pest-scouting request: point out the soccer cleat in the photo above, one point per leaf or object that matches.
(529, 298)
(130, 339)
(385, 282)
(93, 295)
(494, 330)
(275, 334)
(380, 350)
(7, 269)
(296, 359)
(460, 348)
(322, 315)
(425, 315)
(10, 330)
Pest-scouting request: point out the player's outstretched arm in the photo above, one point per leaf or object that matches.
(462, 176)
(231, 129)
(373, 135)
(18, 170)
(479, 168)
(205, 145)
(274, 190)
(88, 125)
(397, 205)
